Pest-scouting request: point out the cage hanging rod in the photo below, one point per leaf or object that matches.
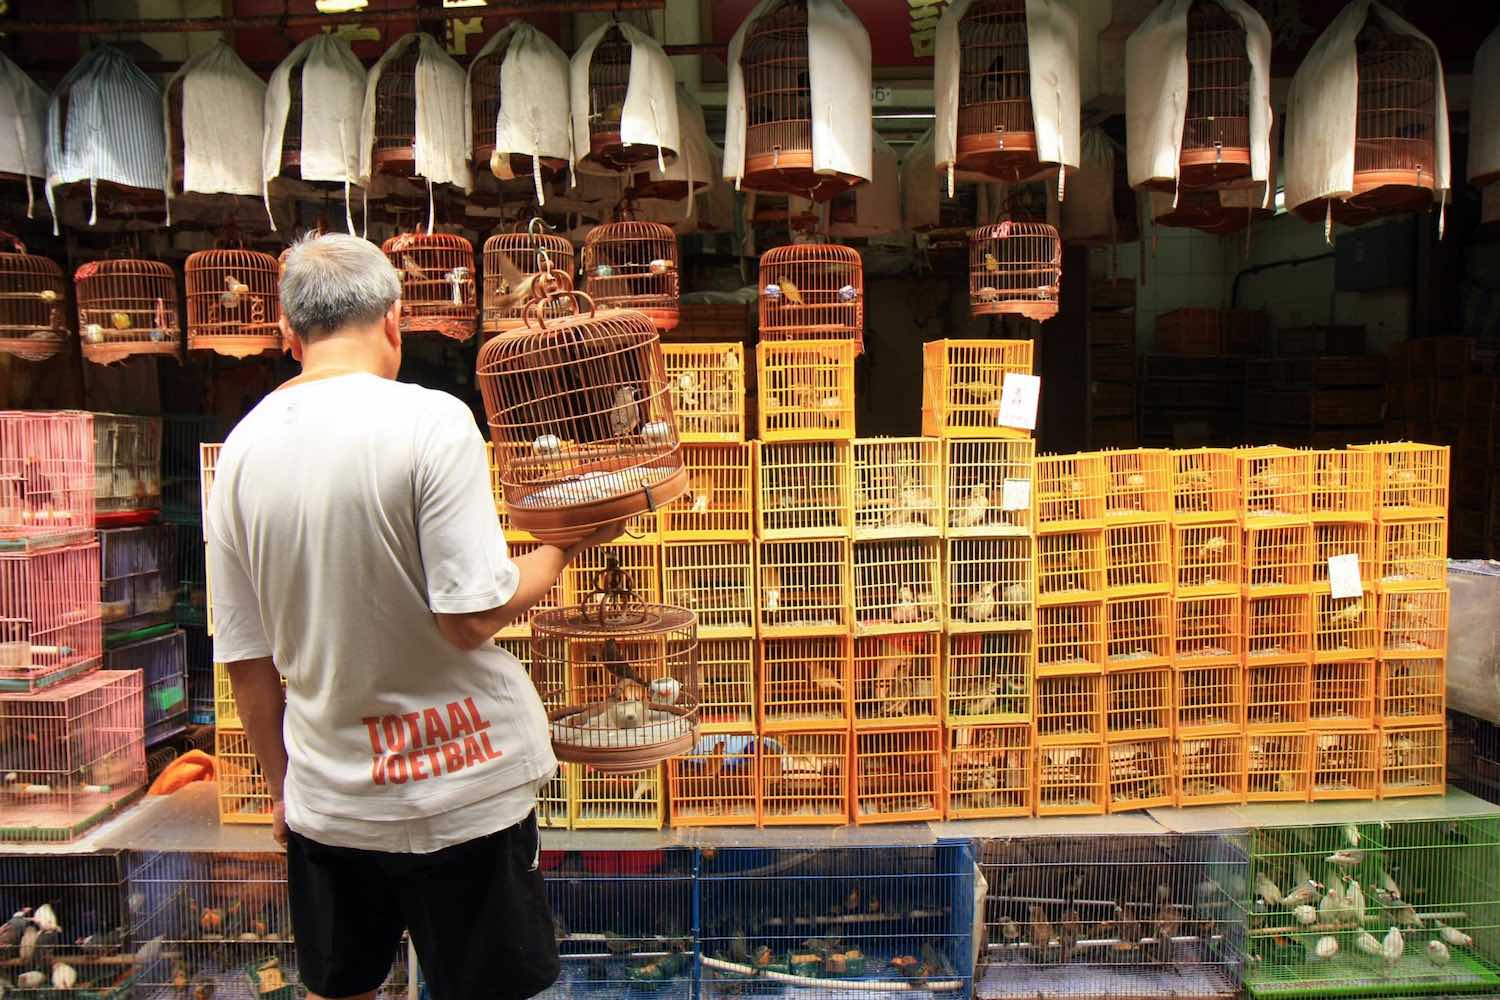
(180, 25)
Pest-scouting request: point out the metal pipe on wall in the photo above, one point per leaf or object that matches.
(176, 25)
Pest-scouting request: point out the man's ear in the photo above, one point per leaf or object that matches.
(393, 324)
(290, 339)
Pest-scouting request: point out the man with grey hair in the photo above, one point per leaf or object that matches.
(356, 555)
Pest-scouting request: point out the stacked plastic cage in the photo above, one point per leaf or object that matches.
(162, 660)
(69, 925)
(139, 575)
(825, 923)
(127, 467)
(1101, 916)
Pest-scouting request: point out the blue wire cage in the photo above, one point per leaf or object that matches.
(163, 658)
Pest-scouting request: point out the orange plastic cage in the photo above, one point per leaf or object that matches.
(896, 681)
(1207, 557)
(726, 683)
(1278, 626)
(897, 586)
(1138, 702)
(812, 291)
(805, 586)
(988, 678)
(719, 502)
(1345, 765)
(1210, 698)
(717, 783)
(1413, 761)
(1071, 780)
(804, 489)
(708, 390)
(1070, 638)
(990, 584)
(1140, 774)
(1277, 696)
(1069, 709)
(1342, 695)
(1138, 558)
(714, 580)
(633, 265)
(804, 778)
(806, 390)
(962, 385)
(988, 486)
(989, 771)
(1278, 767)
(1210, 770)
(898, 776)
(1412, 691)
(898, 488)
(1138, 630)
(1070, 566)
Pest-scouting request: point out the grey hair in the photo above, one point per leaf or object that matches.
(335, 280)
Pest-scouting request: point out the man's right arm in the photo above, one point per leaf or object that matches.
(539, 570)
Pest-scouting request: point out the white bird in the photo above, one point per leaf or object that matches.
(1365, 941)
(1454, 936)
(28, 943)
(149, 951)
(1304, 893)
(624, 415)
(547, 446)
(1332, 905)
(1351, 834)
(1354, 902)
(666, 690)
(1393, 947)
(906, 610)
(64, 976)
(975, 508)
(1346, 858)
(32, 980)
(982, 604)
(1326, 947)
(1305, 914)
(1437, 952)
(687, 389)
(657, 432)
(46, 918)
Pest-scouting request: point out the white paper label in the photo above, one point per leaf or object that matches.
(1016, 494)
(1343, 577)
(1018, 399)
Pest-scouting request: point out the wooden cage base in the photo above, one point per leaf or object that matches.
(791, 172)
(1005, 156)
(236, 345)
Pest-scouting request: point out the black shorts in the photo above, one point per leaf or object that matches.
(477, 913)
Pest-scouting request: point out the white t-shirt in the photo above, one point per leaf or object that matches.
(344, 513)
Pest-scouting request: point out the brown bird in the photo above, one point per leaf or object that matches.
(1040, 928)
(515, 286)
(1069, 930)
(234, 292)
(411, 268)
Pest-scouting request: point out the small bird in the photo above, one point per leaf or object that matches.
(47, 295)
(234, 292)
(975, 508)
(1304, 893)
(661, 266)
(120, 320)
(1365, 942)
(770, 589)
(1346, 858)
(1325, 947)
(211, 921)
(628, 714)
(790, 291)
(202, 989)
(64, 976)
(1069, 931)
(32, 980)
(701, 490)
(1212, 547)
(1354, 902)
(1351, 834)
(1010, 932)
(1349, 614)
(907, 610)
(1454, 936)
(93, 333)
(12, 929)
(1393, 946)
(1305, 914)
(990, 263)
(982, 603)
(514, 289)
(547, 446)
(26, 950)
(1437, 952)
(1040, 928)
(1331, 906)
(456, 280)
(411, 268)
(624, 415)
(980, 392)
(1266, 889)
(987, 293)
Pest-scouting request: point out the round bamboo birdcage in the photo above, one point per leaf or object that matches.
(484, 88)
(580, 416)
(1395, 152)
(778, 108)
(437, 283)
(126, 307)
(33, 303)
(233, 302)
(1216, 126)
(633, 265)
(511, 262)
(395, 150)
(1015, 268)
(1206, 212)
(623, 675)
(996, 128)
(609, 82)
(812, 291)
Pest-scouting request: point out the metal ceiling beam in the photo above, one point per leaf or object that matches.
(179, 25)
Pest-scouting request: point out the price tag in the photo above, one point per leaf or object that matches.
(1016, 494)
(1343, 577)
(1018, 399)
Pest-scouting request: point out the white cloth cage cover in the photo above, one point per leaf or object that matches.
(1322, 104)
(1156, 87)
(695, 162)
(923, 189)
(113, 131)
(877, 203)
(1248, 199)
(648, 115)
(1484, 111)
(333, 97)
(23, 126)
(535, 117)
(442, 128)
(838, 78)
(223, 122)
(1089, 215)
(1052, 40)
(713, 208)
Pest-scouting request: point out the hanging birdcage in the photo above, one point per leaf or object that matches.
(518, 104)
(409, 127)
(624, 110)
(23, 116)
(769, 139)
(1015, 267)
(215, 118)
(1368, 122)
(633, 265)
(126, 307)
(437, 282)
(33, 301)
(1216, 130)
(872, 209)
(233, 302)
(312, 115)
(812, 291)
(511, 263)
(623, 673)
(581, 418)
(104, 129)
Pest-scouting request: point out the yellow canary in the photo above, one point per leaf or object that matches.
(120, 320)
(790, 291)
